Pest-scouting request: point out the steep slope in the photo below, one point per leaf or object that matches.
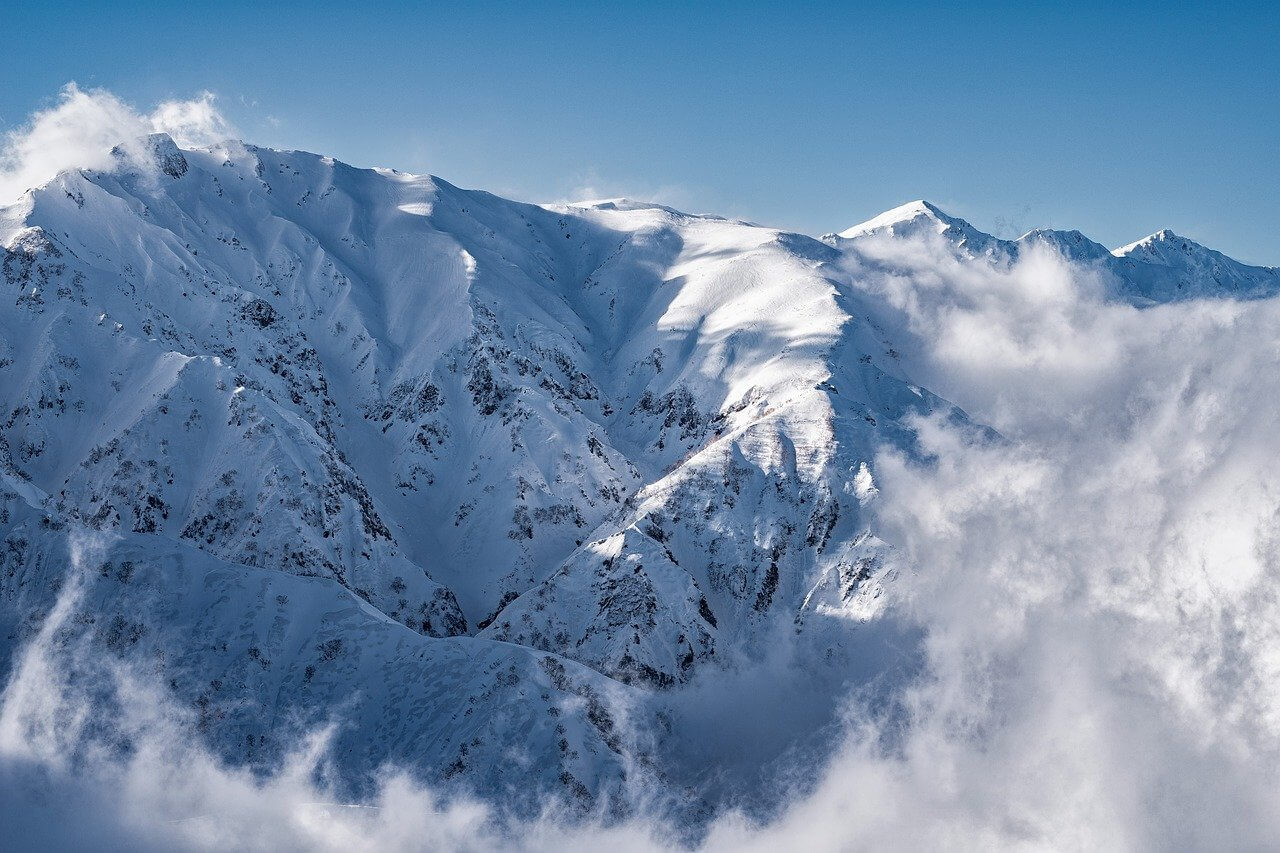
(259, 658)
(146, 389)
(424, 385)
(617, 434)
(764, 396)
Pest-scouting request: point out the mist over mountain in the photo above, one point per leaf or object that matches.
(610, 518)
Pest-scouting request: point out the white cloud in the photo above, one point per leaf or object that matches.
(590, 185)
(80, 130)
(1101, 597)
(192, 123)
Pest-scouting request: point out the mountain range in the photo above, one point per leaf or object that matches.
(506, 490)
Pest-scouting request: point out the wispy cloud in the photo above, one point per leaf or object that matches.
(80, 130)
(591, 185)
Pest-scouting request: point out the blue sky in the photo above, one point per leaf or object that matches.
(1116, 120)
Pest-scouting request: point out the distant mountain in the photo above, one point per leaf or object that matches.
(921, 217)
(1165, 267)
(1161, 268)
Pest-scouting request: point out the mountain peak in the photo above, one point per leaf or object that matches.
(1161, 244)
(154, 148)
(922, 217)
(912, 215)
(1165, 266)
(919, 207)
(1162, 237)
(1070, 244)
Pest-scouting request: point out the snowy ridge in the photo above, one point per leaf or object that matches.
(1160, 268)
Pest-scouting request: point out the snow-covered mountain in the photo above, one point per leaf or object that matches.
(1160, 268)
(483, 478)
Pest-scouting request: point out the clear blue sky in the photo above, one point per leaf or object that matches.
(1115, 120)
